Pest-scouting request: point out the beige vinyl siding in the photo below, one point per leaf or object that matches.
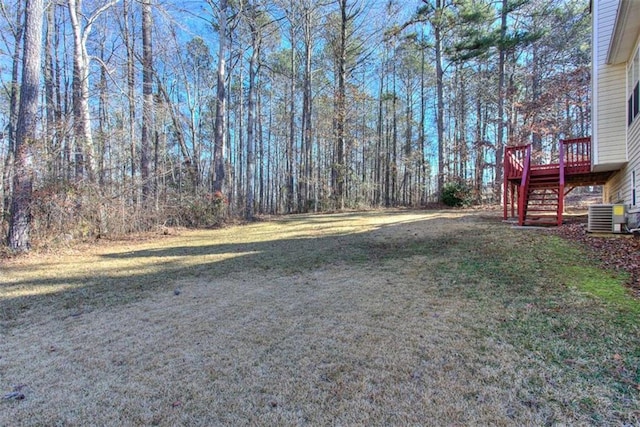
(614, 190)
(618, 189)
(611, 96)
(620, 184)
(612, 114)
(633, 150)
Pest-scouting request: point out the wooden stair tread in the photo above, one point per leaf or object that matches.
(542, 203)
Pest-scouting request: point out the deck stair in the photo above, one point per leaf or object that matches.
(542, 205)
(538, 190)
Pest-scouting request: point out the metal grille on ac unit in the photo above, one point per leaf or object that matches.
(606, 218)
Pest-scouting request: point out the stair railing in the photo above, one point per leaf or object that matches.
(513, 161)
(513, 165)
(524, 186)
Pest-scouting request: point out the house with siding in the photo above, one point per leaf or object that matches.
(615, 137)
(611, 157)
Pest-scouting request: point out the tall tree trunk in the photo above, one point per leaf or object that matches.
(240, 170)
(394, 124)
(221, 99)
(479, 142)
(147, 102)
(407, 178)
(269, 192)
(260, 129)
(103, 140)
(387, 152)
(536, 137)
(81, 113)
(423, 163)
(462, 134)
(49, 94)
(20, 220)
(439, 93)
(292, 155)
(63, 97)
(129, 46)
(497, 185)
(63, 139)
(307, 106)
(339, 167)
(379, 136)
(251, 164)
(7, 175)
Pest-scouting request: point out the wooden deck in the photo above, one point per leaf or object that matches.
(537, 190)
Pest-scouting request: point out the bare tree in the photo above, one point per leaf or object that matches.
(128, 40)
(147, 101)
(340, 114)
(81, 111)
(308, 12)
(253, 14)
(16, 30)
(52, 113)
(221, 97)
(26, 128)
(437, 22)
(497, 185)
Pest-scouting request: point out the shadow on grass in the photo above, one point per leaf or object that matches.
(167, 266)
(487, 261)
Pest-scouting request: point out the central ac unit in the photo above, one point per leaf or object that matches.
(609, 218)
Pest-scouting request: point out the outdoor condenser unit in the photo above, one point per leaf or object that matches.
(609, 218)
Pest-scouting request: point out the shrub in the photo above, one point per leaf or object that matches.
(456, 194)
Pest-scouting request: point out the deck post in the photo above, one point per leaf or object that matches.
(514, 194)
(505, 172)
(524, 187)
(561, 183)
(505, 199)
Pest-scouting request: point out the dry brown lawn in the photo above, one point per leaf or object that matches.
(375, 318)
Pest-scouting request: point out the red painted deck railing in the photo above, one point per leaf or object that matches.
(576, 157)
(577, 154)
(514, 161)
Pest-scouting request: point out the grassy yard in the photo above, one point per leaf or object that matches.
(376, 318)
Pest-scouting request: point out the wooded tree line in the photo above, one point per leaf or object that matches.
(123, 115)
